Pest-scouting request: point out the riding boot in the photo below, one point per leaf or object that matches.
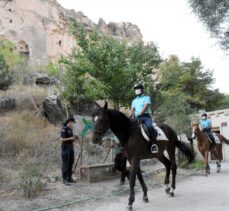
(213, 144)
(153, 136)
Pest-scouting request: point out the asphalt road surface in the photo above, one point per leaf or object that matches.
(195, 193)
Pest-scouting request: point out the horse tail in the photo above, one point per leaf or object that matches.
(224, 139)
(186, 150)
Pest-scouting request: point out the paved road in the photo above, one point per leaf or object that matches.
(196, 193)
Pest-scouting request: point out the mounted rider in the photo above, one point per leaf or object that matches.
(206, 126)
(140, 108)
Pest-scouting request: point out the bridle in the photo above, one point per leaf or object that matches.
(99, 132)
(193, 133)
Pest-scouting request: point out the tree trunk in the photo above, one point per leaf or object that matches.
(116, 105)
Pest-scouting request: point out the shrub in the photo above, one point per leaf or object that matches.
(6, 78)
(30, 182)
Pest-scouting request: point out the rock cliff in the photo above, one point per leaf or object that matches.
(40, 28)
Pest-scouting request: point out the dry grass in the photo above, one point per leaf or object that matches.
(27, 97)
(27, 138)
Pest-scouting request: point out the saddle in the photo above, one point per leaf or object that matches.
(146, 135)
(217, 141)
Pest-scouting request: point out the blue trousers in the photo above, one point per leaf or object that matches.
(147, 121)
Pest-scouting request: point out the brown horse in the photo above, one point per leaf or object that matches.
(203, 144)
(137, 148)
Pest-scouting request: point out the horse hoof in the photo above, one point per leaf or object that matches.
(146, 199)
(129, 207)
(167, 190)
(171, 194)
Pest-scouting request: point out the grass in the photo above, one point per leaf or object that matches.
(30, 182)
(198, 165)
(26, 97)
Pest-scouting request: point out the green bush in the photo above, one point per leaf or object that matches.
(30, 182)
(6, 78)
(198, 164)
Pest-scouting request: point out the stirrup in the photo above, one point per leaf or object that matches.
(154, 148)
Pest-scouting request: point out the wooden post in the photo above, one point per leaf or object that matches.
(81, 157)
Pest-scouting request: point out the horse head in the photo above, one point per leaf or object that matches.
(195, 128)
(101, 124)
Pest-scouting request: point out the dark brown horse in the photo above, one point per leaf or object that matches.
(203, 144)
(137, 148)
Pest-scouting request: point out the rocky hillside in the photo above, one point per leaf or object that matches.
(40, 28)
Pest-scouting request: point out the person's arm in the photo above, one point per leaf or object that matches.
(131, 113)
(73, 138)
(209, 124)
(64, 139)
(146, 106)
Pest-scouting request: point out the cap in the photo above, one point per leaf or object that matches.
(72, 119)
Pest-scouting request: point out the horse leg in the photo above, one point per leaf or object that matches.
(220, 154)
(217, 155)
(144, 188)
(174, 172)
(207, 167)
(167, 165)
(135, 167)
(218, 166)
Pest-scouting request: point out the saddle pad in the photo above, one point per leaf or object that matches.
(217, 141)
(160, 137)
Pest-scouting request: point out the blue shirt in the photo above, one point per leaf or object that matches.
(138, 104)
(205, 123)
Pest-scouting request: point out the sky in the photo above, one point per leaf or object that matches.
(168, 23)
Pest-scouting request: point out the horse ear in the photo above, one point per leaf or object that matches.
(105, 106)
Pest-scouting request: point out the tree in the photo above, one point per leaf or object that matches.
(215, 15)
(9, 60)
(106, 68)
(225, 102)
(190, 80)
(174, 111)
(11, 57)
(6, 78)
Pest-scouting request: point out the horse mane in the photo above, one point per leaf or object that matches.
(120, 125)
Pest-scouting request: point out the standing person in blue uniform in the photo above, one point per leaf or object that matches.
(206, 126)
(67, 150)
(140, 108)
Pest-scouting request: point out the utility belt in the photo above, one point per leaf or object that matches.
(206, 130)
(144, 115)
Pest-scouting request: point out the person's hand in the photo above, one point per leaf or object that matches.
(75, 138)
(131, 116)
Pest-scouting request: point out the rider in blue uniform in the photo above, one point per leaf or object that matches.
(206, 126)
(140, 108)
(67, 150)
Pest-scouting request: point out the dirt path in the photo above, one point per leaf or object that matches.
(194, 192)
